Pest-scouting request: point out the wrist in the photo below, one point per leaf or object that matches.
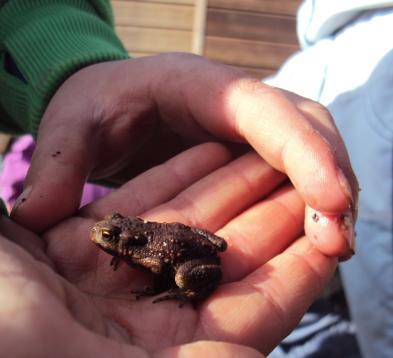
(49, 42)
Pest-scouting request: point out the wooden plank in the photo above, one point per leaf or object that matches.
(247, 53)
(154, 40)
(251, 26)
(287, 7)
(179, 2)
(155, 15)
(136, 54)
(199, 28)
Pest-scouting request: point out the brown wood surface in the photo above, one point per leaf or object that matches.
(199, 27)
(155, 15)
(258, 73)
(247, 53)
(251, 26)
(257, 35)
(136, 54)
(287, 7)
(138, 39)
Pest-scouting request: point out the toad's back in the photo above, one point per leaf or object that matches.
(177, 243)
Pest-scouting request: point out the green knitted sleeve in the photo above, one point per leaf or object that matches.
(46, 41)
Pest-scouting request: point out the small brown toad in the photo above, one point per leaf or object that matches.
(182, 259)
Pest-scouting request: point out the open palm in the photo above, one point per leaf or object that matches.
(65, 300)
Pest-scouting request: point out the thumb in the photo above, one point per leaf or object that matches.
(54, 183)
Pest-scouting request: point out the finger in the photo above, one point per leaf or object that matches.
(243, 108)
(161, 183)
(334, 235)
(59, 168)
(269, 302)
(290, 143)
(261, 232)
(321, 120)
(24, 238)
(324, 229)
(208, 349)
(227, 104)
(217, 198)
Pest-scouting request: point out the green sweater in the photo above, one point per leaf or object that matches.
(42, 43)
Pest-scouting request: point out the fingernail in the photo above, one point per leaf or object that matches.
(21, 199)
(346, 225)
(344, 183)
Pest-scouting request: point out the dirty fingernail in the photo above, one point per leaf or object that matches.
(21, 199)
(346, 223)
(344, 183)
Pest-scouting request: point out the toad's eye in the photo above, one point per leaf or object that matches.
(106, 235)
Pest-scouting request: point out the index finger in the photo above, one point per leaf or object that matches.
(293, 134)
(227, 103)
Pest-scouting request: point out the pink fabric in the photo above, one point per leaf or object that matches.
(15, 165)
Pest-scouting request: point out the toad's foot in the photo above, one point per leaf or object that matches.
(183, 296)
(147, 291)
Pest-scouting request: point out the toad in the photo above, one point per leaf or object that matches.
(183, 260)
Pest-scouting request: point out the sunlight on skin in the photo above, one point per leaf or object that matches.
(258, 305)
(207, 102)
(263, 271)
(209, 350)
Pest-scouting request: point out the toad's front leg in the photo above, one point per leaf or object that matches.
(115, 262)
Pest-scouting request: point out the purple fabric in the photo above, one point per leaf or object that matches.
(15, 165)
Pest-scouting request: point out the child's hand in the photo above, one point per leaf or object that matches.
(117, 119)
(60, 297)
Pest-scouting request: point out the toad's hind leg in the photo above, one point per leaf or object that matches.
(160, 284)
(185, 296)
(195, 279)
(217, 241)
